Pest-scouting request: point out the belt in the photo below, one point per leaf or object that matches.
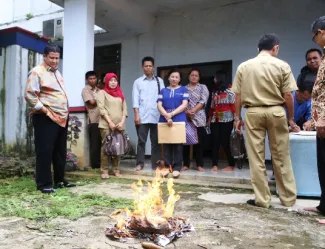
(264, 106)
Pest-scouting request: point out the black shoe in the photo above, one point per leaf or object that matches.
(251, 202)
(47, 190)
(64, 184)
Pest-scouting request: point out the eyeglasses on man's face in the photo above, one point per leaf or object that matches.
(314, 37)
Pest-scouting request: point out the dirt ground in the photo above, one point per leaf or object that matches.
(219, 226)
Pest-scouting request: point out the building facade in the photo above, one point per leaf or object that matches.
(209, 33)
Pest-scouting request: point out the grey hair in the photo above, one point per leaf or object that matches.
(319, 23)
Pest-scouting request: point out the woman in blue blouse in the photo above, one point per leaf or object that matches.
(172, 103)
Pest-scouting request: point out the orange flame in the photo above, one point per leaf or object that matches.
(149, 201)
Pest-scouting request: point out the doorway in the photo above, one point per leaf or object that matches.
(207, 69)
(107, 59)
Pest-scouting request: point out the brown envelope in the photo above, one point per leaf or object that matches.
(175, 134)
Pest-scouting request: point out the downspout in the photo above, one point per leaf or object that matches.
(3, 99)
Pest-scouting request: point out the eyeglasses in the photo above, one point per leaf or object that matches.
(314, 37)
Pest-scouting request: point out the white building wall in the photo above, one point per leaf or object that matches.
(228, 33)
(14, 66)
(14, 10)
(13, 13)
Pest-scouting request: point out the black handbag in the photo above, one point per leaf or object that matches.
(237, 148)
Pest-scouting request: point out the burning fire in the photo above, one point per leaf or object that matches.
(149, 201)
(151, 217)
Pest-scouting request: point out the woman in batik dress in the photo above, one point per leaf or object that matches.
(196, 120)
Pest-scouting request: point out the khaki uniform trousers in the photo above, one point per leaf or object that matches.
(272, 120)
(104, 160)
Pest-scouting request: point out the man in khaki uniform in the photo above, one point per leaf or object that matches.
(263, 85)
(89, 96)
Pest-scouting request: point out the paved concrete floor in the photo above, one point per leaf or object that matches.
(236, 176)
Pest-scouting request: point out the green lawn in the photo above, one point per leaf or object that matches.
(18, 197)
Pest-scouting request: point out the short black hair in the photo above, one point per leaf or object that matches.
(175, 70)
(319, 23)
(313, 50)
(90, 73)
(51, 47)
(195, 69)
(148, 58)
(268, 41)
(306, 85)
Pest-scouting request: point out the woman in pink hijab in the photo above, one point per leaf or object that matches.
(113, 113)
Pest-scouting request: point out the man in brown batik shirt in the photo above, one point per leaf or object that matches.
(318, 113)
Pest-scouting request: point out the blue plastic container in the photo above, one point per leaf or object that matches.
(304, 164)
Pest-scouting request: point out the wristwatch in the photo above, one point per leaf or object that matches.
(237, 118)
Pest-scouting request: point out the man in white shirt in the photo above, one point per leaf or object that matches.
(146, 115)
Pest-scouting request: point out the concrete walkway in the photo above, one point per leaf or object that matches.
(242, 198)
(239, 178)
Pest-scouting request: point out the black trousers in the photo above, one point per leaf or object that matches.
(321, 171)
(94, 145)
(173, 155)
(198, 149)
(50, 148)
(142, 132)
(221, 137)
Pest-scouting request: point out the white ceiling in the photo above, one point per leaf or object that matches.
(131, 17)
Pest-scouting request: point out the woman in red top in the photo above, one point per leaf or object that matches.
(221, 119)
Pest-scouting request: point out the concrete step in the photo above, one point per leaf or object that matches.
(208, 181)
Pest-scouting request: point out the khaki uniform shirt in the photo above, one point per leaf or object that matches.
(318, 96)
(88, 94)
(261, 81)
(111, 106)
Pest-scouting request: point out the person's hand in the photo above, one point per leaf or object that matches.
(320, 131)
(190, 113)
(209, 122)
(307, 125)
(170, 122)
(112, 126)
(137, 119)
(237, 126)
(120, 126)
(44, 110)
(168, 116)
(294, 127)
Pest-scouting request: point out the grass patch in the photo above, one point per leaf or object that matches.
(18, 197)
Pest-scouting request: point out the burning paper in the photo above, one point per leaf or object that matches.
(151, 219)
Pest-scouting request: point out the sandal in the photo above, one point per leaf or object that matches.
(164, 172)
(176, 174)
(117, 173)
(104, 175)
(228, 169)
(214, 169)
(185, 168)
(200, 169)
(139, 167)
